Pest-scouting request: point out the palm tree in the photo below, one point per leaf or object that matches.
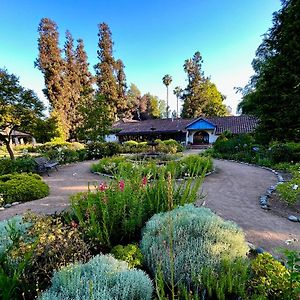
(167, 79)
(177, 91)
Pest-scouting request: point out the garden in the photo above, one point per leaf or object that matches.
(136, 236)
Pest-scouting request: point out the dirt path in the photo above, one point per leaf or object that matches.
(68, 180)
(233, 192)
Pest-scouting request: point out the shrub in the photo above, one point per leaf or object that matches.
(22, 187)
(290, 191)
(52, 245)
(103, 277)
(19, 165)
(116, 212)
(101, 149)
(59, 145)
(270, 277)
(185, 240)
(288, 152)
(12, 269)
(130, 253)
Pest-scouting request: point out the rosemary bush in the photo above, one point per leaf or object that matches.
(103, 277)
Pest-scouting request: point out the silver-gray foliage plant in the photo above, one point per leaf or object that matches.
(187, 239)
(102, 278)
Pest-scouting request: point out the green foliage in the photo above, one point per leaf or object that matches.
(130, 253)
(201, 96)
(116, 212)
(18, 108)
(273, 279)
(19, 165)
(185, 240)
(273, 92)
(103, 277)
(287, 152)
(11, 269)
(101, 149)
(22, 187)
(290, 191)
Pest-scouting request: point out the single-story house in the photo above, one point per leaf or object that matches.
(187, 131)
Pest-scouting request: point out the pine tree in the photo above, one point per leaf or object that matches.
(105, 71)
(201, 97)
(51, 64)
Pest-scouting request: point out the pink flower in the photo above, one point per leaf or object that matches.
(144, 180)
(102, 187)
(74, 224)
(121, 185)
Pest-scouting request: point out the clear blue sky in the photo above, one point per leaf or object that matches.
(153, 38)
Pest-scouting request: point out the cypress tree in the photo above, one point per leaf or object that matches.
(122, 105)
(51, 64)
(105, 71)
(72, 85)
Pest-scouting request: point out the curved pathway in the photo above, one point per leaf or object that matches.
(69, 180)
(232, 192)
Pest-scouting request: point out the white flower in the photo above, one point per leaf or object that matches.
(295, 187)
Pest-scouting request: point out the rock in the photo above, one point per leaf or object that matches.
(259, 250)
(251, 246)
(15, 203)
(8, 205)
(280, 178)
(2, 208)
(293, 218)
(265, 207)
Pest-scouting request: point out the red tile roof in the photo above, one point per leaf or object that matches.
(235, 124)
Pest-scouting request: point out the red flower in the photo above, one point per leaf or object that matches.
(102, 187)
(121, 185)
(144, 180)
(74, 224)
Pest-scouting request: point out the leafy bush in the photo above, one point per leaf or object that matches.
(51, 245)
(22, 187)
(12, 269)
(130, 253)
(19, 165)
(290, 191)
(272, 279)
(115, 213)
(101, 149)
(185, 240)
(103, 277)
(235, 144)
(288, 152)
(59, 145)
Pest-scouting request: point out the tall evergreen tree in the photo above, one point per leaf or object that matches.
(105, 72)
(73, 85)
(122, 105)
(133, 99)
(51, 64)
(273, 93)
(201, 97)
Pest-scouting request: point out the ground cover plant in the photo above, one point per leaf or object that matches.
(22, 187)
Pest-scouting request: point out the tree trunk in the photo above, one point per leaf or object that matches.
(9, 149)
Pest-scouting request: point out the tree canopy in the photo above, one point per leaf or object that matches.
(200, 97)
(273, 93)
(19, 107)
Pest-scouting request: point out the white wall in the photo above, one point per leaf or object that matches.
(111, 138)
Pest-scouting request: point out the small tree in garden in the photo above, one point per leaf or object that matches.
(19, 108)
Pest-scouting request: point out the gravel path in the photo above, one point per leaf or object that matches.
(232, 192)
(69, 179)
